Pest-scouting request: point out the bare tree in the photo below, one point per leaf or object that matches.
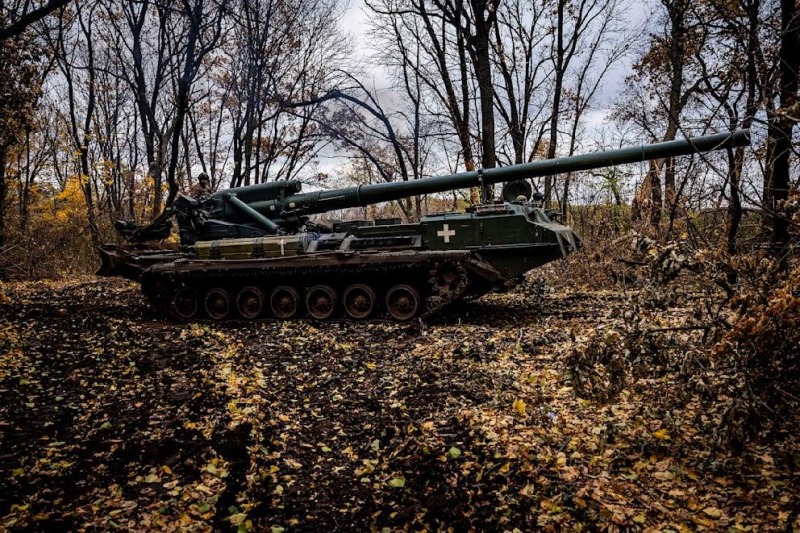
(602, 45)
(17, 15)
(666, 69)
(75, 56)
(455, 39)
(275, 53)
(414, 117)
(520, 57)
(163, 50)
(781, 124)
(204, 28)
(573, 21)
(477, 26)
(361, 125)
(20, 66)
(735, 31)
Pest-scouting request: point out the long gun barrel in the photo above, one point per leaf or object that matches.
(362, 195)
(245, 215)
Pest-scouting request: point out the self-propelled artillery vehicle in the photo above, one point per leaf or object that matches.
(253, 251)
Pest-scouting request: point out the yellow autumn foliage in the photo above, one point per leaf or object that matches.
(68, 205)
(52, 236)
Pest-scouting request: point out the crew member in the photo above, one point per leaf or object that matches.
(202, 187)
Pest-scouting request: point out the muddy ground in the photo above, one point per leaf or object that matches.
(112, 417)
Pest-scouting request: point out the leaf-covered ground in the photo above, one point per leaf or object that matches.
(111, 417)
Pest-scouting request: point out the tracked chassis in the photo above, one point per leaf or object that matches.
(399, 285)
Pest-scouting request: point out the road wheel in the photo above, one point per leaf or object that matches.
(403, 302)
(359, 301)
(284, 302)
(184, 304)
(250, 302)
(321, 301)
(218, 303)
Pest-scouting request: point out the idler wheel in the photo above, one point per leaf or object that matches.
(218, 303)
(250, 302)
(284, 302)
(446, 282)
(359, 301)
(403, 302)
(184, 304)
(320, 301)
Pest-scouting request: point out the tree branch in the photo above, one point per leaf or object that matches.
(16, 28)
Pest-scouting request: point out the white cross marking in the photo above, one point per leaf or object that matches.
(446, 233)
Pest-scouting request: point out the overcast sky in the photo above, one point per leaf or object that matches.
(355, 23)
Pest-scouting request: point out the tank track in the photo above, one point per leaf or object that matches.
(358, 287)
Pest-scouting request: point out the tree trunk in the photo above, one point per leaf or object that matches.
(3, 195)
(182, 103)
(781, 126)
(483, 71)
(655, 194)
(81, 133)
(549, 181)
(677, 50)
(513, 119)
(459, 117)
(647, 201)
(677, 38)
(735, 204)
(236, 178)
(565, 196)
(751, 106)
(24, 197)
